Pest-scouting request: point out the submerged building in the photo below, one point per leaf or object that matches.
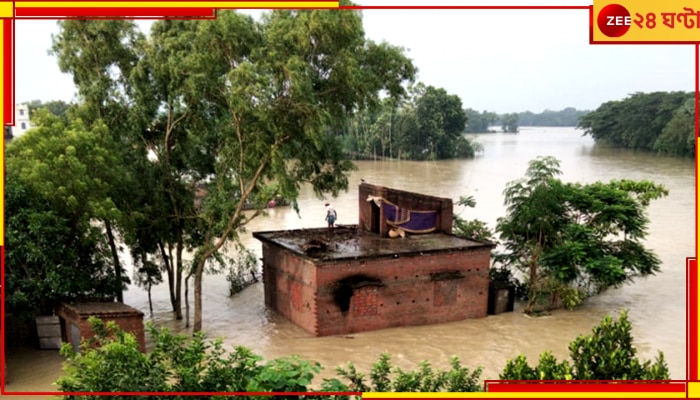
(399, 266)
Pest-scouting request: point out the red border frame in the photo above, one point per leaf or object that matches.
(494, 386)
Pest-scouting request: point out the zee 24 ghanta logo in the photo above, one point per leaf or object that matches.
(614, 20)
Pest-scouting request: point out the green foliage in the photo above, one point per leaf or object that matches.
(386, 378)
(241, 271)
(112, 362)
(246, 107)
(480, 122)
(658, 121)
(57, 192)
(471, 229)
(566, 117)
(678, 136)
(606, 354)
(573, 240)
(509, 123)
(58, 108)
(428, 125)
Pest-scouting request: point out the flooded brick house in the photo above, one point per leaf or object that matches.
(399, 266)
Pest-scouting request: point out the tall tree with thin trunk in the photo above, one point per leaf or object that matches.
(303, 74)
(100, 55)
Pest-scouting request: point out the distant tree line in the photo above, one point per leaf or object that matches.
(483, 122)
(566, 117)
(663, 122)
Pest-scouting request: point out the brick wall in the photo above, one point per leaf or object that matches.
(403, 199)
(290, 286)
(130, 320)
(417, 290)
(386, 292)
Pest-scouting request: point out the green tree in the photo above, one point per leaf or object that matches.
(57, 202)
(573, 240)
(678, 136)
(638, 122)
(245, 109)
(509, 123)
(480, 122)
(607, 353)
(100, 55)
(440, 122)
(58, 108)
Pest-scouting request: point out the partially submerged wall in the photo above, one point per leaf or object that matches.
(290, 286)
(414, 290)
(347, 296)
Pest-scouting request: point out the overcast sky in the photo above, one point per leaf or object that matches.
(495, 60)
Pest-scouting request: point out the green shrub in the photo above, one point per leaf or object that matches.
(606, 354)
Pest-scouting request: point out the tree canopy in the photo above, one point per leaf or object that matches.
(427, 125)
(236, 109)
(571, 240)
(660, 121)
(58, 177)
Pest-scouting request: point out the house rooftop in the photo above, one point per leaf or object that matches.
(348, 242)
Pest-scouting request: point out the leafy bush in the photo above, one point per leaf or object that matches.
(606, 354)
(112, 362)
(386, 378)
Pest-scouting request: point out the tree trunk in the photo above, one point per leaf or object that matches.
(117, 265)
(187, 302)
(150, 302)
(168, 262)
(178, 283)
(198, 296)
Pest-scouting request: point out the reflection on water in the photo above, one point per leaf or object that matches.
(656, 304)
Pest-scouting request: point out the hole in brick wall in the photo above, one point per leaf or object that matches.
(481, 293)
(446, 275)
(398, 303)
(396, 277)
(413, 301)
(469, 270)
(328, 311)
(416, 275)
(477, 270)
(427, 299)
(381, 305)
(345, 288)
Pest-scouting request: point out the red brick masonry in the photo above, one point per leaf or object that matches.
(128, 318)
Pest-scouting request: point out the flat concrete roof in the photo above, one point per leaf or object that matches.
(348, 242)
(102, 309)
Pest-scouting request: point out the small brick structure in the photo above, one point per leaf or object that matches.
(354, 279)
(75, 326)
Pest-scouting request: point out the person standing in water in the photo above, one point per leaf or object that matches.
(331, 215)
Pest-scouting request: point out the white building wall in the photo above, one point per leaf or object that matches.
(21, 120)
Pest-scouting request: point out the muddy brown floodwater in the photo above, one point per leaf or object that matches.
(656, 304)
